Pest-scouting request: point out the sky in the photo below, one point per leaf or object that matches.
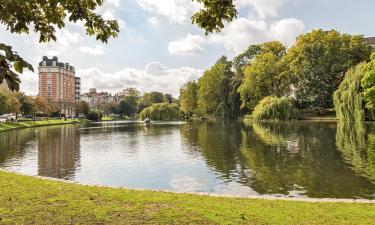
(159, 49)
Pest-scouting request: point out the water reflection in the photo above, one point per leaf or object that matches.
(59, 152)
(314, 159)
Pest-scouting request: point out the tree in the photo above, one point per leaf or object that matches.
(127, 108)
(274, 108)
(131, 92)
(368, 84)
(189, 98)
(113, 108)
(318, 62)
(41, 105)
(45, 16)
(240, 61)
(161, 111)
(27, 104)
(82, 107)
(3, 104)
(13, 104)
(150, 98)
(209, 92)
(266, 75)
(168, 98)
(348, 98)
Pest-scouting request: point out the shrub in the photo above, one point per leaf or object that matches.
(161, 111)
(274, 108)
(94, 115)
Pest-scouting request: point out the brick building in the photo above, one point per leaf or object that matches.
(58, 84)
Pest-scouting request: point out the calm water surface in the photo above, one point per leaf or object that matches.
(298, 159)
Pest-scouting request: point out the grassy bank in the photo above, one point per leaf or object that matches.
(26, 124)
(27, 200)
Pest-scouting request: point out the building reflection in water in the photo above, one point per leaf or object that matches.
(59, 152)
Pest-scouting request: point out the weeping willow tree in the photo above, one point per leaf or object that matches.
(349, 97)
(161, 111)
(274, 108)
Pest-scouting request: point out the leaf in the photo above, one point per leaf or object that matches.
(18, 66)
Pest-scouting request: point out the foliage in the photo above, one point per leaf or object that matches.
(368, 84)
(211, 86)
(273, 108)
(41, 105)
(127, 108)
(44, 17)
(3, 104)
(265, 75)
(189, 98)
(214, 13)
(240, 61)
(27, 104)
(319, 60)
(10, 65)
(348, 98)
(113, 108)
(82, 107)
(161, 111)
(94, 115)
(150, 98)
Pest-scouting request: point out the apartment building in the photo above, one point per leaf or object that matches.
(58, 84)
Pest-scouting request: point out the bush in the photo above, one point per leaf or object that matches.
(274, 108)
(161, 111)
(94, 115)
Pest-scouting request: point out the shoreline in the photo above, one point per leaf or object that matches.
(229, 196)
(4, 127)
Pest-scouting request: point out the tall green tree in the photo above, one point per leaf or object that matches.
(211, 85)
(189, 98)
(150, 98)
(266, 75)
(319, 60)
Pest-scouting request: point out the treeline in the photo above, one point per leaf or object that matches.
(304, 76)
(18, 103)
(155, 105)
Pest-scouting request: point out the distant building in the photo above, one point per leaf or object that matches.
(58, 84)
(98, 100)
(370, 41)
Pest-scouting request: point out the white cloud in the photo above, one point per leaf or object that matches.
(177, 11)
(286, 30)
(153, 21)
(191, 45)
(97, 50)
(242, 32)
(146, 80)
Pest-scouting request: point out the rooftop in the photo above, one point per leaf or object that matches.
(49, 62)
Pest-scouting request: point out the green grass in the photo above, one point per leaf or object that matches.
(26, 124)
(107, 118)
(28, 200)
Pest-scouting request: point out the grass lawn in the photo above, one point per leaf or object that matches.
(25, 124)
(28, 200)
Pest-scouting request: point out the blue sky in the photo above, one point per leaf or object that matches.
(159, 49)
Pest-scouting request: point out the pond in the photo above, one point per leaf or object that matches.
(296, 159)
